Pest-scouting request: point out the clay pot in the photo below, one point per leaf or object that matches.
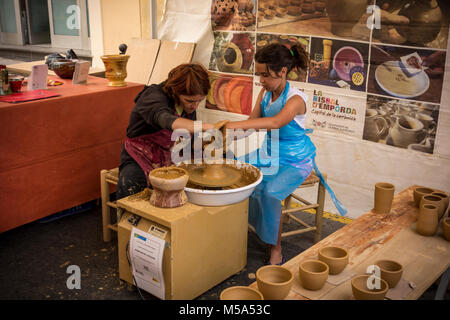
(344, 15)
(446, 228)
(313, 274)
(375, 126)
(427, 222)
(444, 202)
(274, 282)
(425, 18)
(116, 69)
(384, 194)
(391, 271)
(362, 292)
(419, 192)
(435, 200)
(241, 293)
(407, 130)
(335, 257)
(168, 187)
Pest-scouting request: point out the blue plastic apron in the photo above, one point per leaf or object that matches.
(292, 162)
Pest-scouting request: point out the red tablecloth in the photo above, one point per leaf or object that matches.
(52, 150)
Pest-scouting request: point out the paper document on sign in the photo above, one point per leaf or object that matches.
(146, 254)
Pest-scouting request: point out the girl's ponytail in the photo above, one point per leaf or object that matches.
(300, 57)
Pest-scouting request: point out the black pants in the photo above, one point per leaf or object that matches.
(131, 180)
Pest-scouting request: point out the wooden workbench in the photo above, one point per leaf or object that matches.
(372, 237)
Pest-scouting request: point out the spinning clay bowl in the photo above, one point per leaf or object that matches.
(241, 293)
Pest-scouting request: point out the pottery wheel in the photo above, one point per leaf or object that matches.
(214, 175)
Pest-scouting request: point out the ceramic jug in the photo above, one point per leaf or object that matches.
(407, 130)
(344, 14)
(375, 126)
(427, 221)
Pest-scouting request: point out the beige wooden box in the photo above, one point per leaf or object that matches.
(204, 245)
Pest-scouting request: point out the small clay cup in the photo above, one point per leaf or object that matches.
(435, 200)
(274, 282)
(313, 274)
(419, 192)
(427, 222)
(241, 293)
(384, 194)
(446, 228)
(391, 271)
(168, 187)
(362, 292)
(444, 202)
(335, 257)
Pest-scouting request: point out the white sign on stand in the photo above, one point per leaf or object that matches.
(146, 255)
(81, 72)
(38, 77)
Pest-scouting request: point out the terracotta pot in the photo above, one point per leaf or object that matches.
(116, 69)
(274, 282)
(425, 18)
(431, 199)
(427, 222)
(241, 293)
(313, 274)
(419, 192)
(391, 271)
(168, 187)
(344, 14)
(362, 292)
(384, 194)
(446, 229)
(444, 202)
(335, 257)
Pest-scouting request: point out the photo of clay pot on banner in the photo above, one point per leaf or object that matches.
(407, 73)
(413, 23)
(401, 123)
(237, 15)
(336, 113)
(325, 18)
(233, 52)
(263, 40)
(230, 93)
(337, 63)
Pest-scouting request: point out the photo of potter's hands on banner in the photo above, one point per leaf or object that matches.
(401, 123)
(230, 93)
(263, 39)
(340, 64)
(233, 52)
(407, 73)
(237, 15)
(413, 23)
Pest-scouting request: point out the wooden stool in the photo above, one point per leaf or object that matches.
(287, 213)
(108, 177)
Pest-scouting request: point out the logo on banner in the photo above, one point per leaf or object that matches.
(329, 106)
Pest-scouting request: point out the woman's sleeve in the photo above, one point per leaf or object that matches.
(155, 110)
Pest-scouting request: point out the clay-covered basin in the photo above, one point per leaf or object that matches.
(391, 271)
(313, 274)
(241, 293)
(335, 257)
(274, 282)
(419, 192)
(361, 289)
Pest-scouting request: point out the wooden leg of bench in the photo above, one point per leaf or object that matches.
(287, 203)
(106, 214)
(319, 212)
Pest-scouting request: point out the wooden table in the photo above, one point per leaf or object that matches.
(372, 237)
(52, 150)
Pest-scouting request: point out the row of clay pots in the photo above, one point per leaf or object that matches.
(424, 195)
(390, 274)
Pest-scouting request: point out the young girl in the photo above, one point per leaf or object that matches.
(280, 106)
